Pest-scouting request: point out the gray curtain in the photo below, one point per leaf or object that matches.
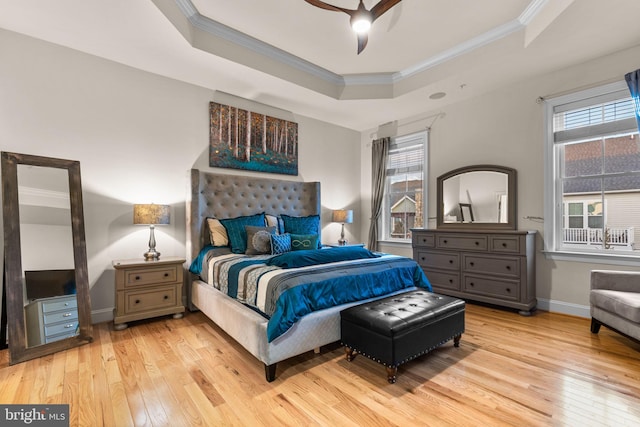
(379, 155)
(633, 79)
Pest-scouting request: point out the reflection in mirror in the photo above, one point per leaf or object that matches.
(46, 242)
(475, 197)
(45, 269)
(481, 196)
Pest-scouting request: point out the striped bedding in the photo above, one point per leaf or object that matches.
(284, 295)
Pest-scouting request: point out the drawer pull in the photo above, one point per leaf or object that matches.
(166, 274)
(137, 277)
(166, 297)
(422, 258)
(69, 325)
(477, 243)
(504, 245)
(137, 301)
(450, 261)
(471, 284)
(66, 315)
(66, 304)
(508, 289)
(508, 267)
(450, 280)
(471, 264)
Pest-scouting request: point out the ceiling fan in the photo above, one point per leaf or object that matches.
(361, 18)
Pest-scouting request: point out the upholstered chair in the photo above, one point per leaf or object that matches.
(615, 301)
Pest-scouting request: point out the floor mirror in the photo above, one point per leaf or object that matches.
(45, 258)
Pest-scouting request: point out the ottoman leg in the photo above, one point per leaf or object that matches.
(391, 373)
(350, 353)
(456, 340)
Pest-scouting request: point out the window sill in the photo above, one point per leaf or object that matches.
(593, 258)
(396, 243)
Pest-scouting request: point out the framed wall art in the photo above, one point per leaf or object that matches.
(241, 139)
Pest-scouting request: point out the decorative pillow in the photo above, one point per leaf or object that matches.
(275, 221)
(259, 239)
(280, 243)
(217, 233)
(300, 242)
(305, 258)
(302, 225)
(236, 230)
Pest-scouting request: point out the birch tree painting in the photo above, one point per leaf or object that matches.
(241, 139)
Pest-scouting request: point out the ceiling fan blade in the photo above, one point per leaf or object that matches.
(327, 6)
(382, 7)
(363, 38)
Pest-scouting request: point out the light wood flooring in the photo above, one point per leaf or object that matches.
(547, 369)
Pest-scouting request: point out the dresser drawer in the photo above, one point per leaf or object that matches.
(503, 289)
(67, 303)
(59, 337)
(61, 328)
(504, 244)
(443, 279)
(506, 266)
(149, 300)
(457, 241)
(446, 260)
(61, 316)
(424, 240)
(147, 276)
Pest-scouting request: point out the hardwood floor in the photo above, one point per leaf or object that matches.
(547, 369)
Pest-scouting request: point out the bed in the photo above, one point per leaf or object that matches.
(223, 197)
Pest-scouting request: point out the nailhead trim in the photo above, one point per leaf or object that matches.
(405, 360)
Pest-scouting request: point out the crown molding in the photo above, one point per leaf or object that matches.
(242, 48)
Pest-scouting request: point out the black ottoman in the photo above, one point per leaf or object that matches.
(401, 327)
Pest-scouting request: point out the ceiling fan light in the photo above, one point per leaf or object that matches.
(361, 22)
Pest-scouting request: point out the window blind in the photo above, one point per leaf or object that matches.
(604, 115)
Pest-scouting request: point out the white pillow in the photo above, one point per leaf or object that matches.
(217, 232)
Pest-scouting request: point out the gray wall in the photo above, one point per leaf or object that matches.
(505, 127)
(136, 136)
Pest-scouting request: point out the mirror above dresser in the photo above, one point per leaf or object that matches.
(477, 197)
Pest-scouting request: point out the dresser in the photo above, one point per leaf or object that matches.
(495, 267)
(146, 289)
(51, 319)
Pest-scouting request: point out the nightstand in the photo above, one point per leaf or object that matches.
(147, 289)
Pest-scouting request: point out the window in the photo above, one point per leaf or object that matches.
(593, 191)
(405, 188)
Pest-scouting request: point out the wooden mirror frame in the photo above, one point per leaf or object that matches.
(18, 350)
(511, 200)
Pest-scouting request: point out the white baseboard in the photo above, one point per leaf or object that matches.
(102, 315)
(564, 307)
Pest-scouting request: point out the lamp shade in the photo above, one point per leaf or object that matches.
(342, 215)
(151, 214)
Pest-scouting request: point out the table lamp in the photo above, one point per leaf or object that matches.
(151, 215)
(345, 217)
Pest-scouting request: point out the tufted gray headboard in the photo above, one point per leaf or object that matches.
(227, 196)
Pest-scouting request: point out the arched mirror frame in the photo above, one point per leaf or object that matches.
(511, 200)
(18, 349)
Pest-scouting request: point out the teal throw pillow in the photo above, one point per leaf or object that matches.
(237, 233)
(302, 225)
(301, 242)
(280, 243)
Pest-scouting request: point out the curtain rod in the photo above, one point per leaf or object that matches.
(541, 99)
(435, 117)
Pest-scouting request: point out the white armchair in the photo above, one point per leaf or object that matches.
(615, 301)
